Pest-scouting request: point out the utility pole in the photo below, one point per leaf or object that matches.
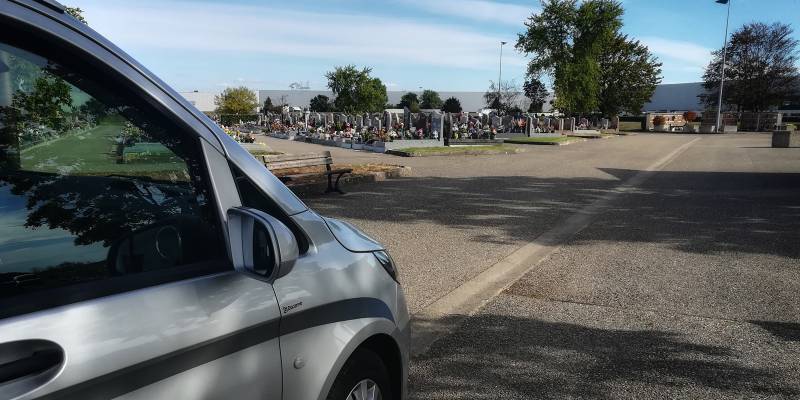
(724, 58)
(500, 78)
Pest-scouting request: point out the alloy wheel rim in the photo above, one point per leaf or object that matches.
(366, 389)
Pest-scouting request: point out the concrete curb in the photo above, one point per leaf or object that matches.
(571, 141)
(466, 152)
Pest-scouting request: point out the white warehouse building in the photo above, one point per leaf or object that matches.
(667, 97)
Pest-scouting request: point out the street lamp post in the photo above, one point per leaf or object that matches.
(500, 77)
(724, 58)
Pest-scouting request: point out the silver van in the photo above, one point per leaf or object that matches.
(145, 255)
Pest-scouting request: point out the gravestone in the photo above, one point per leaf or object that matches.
(437, 125)
(496, 122)
(532, 125)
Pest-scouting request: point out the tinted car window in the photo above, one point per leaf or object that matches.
(94, 184)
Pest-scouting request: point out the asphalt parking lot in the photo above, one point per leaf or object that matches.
(682, 285)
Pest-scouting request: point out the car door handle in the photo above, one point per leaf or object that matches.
(39, 360)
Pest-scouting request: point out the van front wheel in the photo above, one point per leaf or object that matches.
(363, 377)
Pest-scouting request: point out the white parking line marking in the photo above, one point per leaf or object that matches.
(443, 315)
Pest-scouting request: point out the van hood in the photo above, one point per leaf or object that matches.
(351, 238)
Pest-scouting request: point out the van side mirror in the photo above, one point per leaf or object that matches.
(260, 244)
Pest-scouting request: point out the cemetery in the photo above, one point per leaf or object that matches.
(397, 129)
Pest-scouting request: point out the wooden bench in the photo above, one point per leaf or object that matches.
(279, 162)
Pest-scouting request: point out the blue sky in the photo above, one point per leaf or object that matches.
(438, 44)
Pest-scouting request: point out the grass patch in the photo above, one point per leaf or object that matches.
(454, 150)
(93, 152)
(630, 126)
(555, 140)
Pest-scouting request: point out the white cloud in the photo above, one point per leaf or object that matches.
(693, 55)
(478, 10)
(682, 61)
(241, 29)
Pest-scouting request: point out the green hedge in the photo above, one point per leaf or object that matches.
(231, 119)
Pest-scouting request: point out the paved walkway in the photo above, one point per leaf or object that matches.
(687, 287)
(680, 279)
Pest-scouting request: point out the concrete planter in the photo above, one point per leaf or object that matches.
(402, 144)
(707, 128)
(784, 139)
(730, 129)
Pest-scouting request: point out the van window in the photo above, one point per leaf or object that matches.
(94, 184)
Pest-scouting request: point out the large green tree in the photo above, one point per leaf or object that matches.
(761, 68)
(430, 99)
(409, 100)
(536, 92)
(451, 105)
(320, 103)
(47, 104)
(239, 100)
(629, 75)
(269, 106)
(355, 90)
(569, 40)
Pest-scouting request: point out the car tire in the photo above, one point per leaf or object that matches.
(364, 366)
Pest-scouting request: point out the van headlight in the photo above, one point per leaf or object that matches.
(388, 264)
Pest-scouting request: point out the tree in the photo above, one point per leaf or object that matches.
(508, 95)
(451, 105)
(320, 103)
(430, 100)
(761, 68)
(629, 76)
(534, 90)
(407, 100)
(77, 13)
(355, 90)
(569, 40)
(270, 107)
(47, 104)
(239, 100)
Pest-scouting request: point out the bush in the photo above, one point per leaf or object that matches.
(452, 105)
(689, 116)
(659, 120)
(232, 119)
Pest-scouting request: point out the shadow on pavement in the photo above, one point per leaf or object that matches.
(499, 356)
(784, 330)
(699, 212)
